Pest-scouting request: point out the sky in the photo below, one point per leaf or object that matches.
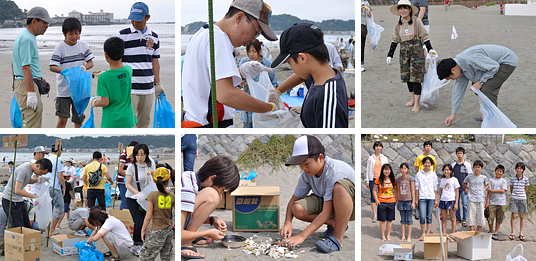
(160, 10)
(314, 10)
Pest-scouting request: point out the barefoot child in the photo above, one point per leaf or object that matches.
(496, 201)
(386, 199)
(411, 34)
(374, 166)
(477, 184)
(426, 192)
(406, 199)
(518, 200)
(450, 193)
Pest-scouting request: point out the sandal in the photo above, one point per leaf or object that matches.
(415, 110)
(189, 256)
(409, 104)
(512, 237)
(464, 224)
(108, 254)
(113, 258)
(206, 239)
(495, 236)
(328, 245)
(522, 237)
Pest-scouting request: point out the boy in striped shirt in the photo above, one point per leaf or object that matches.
(518, 200)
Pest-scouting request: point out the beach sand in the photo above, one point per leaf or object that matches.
(371, 237)
(383, 96)
(167, 75)
(287, 180)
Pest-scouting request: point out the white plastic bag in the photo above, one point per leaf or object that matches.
(516, 257)
(432, 84)
(261, 90)
(43, 212)
(142, 201)
(374, 31)
(492, 117)
(387, 248)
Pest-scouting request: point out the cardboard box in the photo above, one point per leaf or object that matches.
(473, 245)
(256, 208)
(22, 243)
(405, 252)
(432, 246)
(64, 244)
(229, 199)
(125, 217)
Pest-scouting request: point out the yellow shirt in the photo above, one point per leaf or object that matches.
(418, 162)
(93, 166)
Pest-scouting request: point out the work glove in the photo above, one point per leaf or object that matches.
(93, 100)
(83, 68)
(139, 196)
(433, 54)
(253, 68)
(158, 89)
(31, 101)
(276, 100)
(296, 109)
(388, 60)
(43, 179)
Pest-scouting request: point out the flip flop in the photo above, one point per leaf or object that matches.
(328, 245)
(188, 256)
(495, 236)
(522, 238)
(415, 110)
(208, 239)
(512, 237)
(108, 254)
(329, 232)
(409, 104)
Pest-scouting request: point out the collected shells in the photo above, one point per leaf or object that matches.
(269, 248)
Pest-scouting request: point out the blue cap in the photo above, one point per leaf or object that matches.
(138, 11)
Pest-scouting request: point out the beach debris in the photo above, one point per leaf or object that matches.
(270, 248)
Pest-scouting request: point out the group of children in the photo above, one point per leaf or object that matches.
(478, 194)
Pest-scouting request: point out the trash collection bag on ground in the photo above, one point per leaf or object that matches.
(14, 112)
(88, 252)
(43, 211)
(164, 116)
(387, 248)
(512, 256)
(492, 117)
(374, 31)
(79, 83)
(432, 84)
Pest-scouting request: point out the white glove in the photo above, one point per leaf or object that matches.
(36, 202)
(388, 60)
(93, 100)
(83, 68)
(158, 89)
(253, 68)
(433, 54)
(31, 101)
(276, 100)
(43, 179)
(139, 196)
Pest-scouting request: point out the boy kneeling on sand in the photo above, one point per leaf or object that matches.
(332, 202)
(201, 193)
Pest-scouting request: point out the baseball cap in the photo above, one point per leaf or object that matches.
(161, 172)
(40, 149)
(296, 39)
(303, 147)
(261, 11)
(40, 13)
(138, 11)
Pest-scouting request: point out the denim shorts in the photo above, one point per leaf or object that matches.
(448, 205)
(404, 205)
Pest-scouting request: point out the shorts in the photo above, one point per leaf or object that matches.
(405, 212)
(313, 204)
(518, 206)
(448, 205)
(76, 224)
(386, 211)
(496, 212)
(64, 105)
(66, 208)
(475, 214)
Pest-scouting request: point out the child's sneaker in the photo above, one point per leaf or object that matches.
(80, 233)
(135, 249)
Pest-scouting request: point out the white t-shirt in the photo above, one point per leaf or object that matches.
(67, 56)
(341, 45)
(449, 187)
(143, 177)
(115, 226)
(59, 172)
(196, 73)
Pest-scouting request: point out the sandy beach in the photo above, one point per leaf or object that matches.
(167, 75)
(383, 96)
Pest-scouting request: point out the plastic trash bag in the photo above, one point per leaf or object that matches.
(43, 212)
(432, 84)
(142, 201)
(516, 257)
(164, 116)
(374, 31)
(387, 248)
(79, 83)
(88, 252)
(16, 116)
(492, 117)
(90, 122)
(250, 176)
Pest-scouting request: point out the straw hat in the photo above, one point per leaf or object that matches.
(394, 8)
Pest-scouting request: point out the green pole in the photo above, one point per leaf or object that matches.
(12, 181)
(212, 66)
(53, 184)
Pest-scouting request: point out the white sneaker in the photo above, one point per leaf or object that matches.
(135, 250)
(362, 68)
(80, 233)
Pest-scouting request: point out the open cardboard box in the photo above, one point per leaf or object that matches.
(473, 245)
(432, 246)
(22, 243)
(256, 208)
(63, 244)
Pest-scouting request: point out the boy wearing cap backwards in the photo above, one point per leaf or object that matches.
(332, 202)
(326, 103)
(244, 21)
(201, 193)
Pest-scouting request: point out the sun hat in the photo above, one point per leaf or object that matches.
(138, 11)
(394, 8)
(261, 11)
(296, 39)
(40, 13)
(303, 147)
(161, 173)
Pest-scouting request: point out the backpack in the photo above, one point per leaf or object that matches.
(96, 177)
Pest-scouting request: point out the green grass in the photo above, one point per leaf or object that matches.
(274, 153)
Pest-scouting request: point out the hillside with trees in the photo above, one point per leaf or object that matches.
(10, 11)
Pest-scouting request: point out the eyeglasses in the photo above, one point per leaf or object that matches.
(256, 33)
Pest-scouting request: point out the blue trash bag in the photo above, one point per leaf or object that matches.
(250, 176)
(164, 116)
(90, 122)
(88, 252)
(14, 111)
(79, 83)
(89, 232)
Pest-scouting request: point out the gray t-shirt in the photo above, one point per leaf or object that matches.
(419, 4)
(77, 214)
(498, 198)
(323, 186)
(476, 187)
(23, 173)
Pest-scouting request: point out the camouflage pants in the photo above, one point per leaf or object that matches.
(412, 61)
(158, 242)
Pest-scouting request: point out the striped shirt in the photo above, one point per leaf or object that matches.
(67, 56)
(140, 50)
(190, 185)
(479, 63)
(326, 106)
(518, 190)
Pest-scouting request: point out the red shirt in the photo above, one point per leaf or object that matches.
(126, 160)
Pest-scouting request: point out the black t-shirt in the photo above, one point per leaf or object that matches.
(67, 198)
(460, 172)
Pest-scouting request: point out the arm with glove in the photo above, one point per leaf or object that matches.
(31, 95)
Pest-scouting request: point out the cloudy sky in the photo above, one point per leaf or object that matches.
(315, 10)
(160, 10)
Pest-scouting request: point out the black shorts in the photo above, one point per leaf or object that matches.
(386, 211)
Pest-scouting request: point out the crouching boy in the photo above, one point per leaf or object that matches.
(332, 202)
(79, 220)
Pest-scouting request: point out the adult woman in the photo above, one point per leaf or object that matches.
(138, 175)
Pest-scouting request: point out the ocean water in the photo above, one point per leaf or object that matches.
(23, 157)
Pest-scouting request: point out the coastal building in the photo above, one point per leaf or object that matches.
(89, 18)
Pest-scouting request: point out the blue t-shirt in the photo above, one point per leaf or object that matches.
(25, 52)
